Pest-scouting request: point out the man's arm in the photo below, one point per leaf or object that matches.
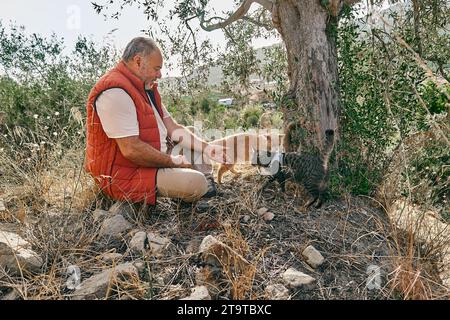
(189, 140)
(144, 155)
(184, 136)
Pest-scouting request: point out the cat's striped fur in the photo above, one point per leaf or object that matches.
(307, 169)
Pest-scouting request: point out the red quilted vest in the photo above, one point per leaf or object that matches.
(117, 176)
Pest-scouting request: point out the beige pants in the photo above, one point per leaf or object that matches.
(188, 185)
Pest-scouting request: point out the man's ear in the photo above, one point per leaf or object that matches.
(137, 59)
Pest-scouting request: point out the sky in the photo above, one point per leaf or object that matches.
(70, 18)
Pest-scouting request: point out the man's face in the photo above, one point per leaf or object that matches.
(150, 68)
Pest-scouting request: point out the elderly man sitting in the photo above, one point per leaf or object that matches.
(130, 134)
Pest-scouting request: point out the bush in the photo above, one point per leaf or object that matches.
(250, 117)
(386, 98)
(205, 106)
(40, 80)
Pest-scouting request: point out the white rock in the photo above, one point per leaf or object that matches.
(261, 211)
(114, 226)
(277, 292)
(207, 242)
(16, 255)
(217, 253)
(2, 206)
(139, 242)
(313, 257)
(157, 243)
(73, 274)
(199, 293)
(268, 216)
(246, 218)
(97, 286)
(140, 265)
(295, 279)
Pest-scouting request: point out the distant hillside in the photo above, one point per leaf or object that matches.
(215, 72)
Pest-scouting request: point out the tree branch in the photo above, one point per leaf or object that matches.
(259, 23)
(238, 14)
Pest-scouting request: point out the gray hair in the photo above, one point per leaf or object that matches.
(140, 45)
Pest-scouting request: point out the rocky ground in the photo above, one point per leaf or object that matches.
(244, 245)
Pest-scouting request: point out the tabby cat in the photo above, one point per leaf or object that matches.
(307, 169)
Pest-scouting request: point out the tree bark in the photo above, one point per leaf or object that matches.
(309, 31)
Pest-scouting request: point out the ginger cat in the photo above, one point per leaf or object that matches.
(242, 146)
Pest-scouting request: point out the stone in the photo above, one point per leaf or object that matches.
(207, 242)
(16, 255)
(313, 257)
(277, 292)
(268, 216)
(2, 206)
(261, 211)
(199, 293)
(125, 209)
(73, 274)
(246, 218)
(217, 254)
(139, 242)
(97, 286)
(139, 265)
(296, 279)
(114, 226)
(157, 243)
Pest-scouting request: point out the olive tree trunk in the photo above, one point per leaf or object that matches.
(309, 33)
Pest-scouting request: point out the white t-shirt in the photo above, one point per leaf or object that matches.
(117, 114)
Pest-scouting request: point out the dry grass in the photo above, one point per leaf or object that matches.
(421, 249)
(50, 204)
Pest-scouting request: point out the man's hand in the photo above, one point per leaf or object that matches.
(217, 153)
(181, 162)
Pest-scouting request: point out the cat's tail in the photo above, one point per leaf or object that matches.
(328, 147)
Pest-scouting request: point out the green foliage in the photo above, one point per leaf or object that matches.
(250, 117)
(276, 70)
(40, 80)
(429, 172)
(437, 100)
(239, 61)
(384, 93)
(43, 92)
(206, 105)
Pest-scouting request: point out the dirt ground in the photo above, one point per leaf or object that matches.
(352, 234)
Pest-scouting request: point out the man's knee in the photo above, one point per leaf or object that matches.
(198, 185)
